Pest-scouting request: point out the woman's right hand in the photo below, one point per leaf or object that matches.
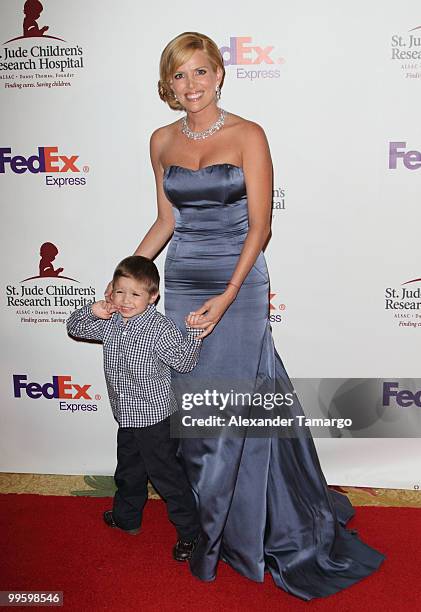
(208, 315)
(108, 291)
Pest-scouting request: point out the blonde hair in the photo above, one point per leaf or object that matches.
(177, 52)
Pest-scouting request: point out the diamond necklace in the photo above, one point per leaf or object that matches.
(205, 133)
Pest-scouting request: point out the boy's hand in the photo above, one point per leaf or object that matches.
(103, 309)
(193, 320)
(108, 291)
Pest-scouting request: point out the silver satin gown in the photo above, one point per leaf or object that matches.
(264, 503)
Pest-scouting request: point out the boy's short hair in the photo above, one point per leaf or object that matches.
(141, 269)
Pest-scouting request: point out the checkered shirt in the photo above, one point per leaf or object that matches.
(138, 356)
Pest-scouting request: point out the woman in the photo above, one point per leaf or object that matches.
(263, 502)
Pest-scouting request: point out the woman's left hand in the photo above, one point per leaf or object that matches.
(208, 315)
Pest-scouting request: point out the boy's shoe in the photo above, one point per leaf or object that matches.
(109, 520)
(183, 550)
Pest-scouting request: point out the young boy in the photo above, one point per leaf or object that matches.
(140, 345)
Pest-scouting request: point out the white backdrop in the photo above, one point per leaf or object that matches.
(331, 90)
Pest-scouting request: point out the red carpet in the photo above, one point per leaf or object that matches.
(60, 543)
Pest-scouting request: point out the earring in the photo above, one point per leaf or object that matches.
(217, 92)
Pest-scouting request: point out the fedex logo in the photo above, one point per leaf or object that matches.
(47, 160)
(411, 159)
(240, 51)
(404, 398)
(61, 387)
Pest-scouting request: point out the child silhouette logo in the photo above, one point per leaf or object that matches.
(32, 10)
(48, 252)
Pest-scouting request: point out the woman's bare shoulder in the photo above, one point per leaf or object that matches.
(161, 139)
(246, 132)
(164, 132)
(245, 128)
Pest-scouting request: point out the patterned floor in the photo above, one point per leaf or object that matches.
(103, 486)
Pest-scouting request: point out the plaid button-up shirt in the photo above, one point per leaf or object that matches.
(138, 356)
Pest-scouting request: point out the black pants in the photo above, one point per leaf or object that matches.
(149, 453)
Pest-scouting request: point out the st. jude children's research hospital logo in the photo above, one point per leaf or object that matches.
(406, 51)
(405, 303)
(49, 296)
(48, 162)
(37, 58)
(278, 200)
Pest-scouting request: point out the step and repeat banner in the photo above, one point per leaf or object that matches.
(337, 88)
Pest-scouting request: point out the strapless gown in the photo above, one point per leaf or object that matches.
(263, 501)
